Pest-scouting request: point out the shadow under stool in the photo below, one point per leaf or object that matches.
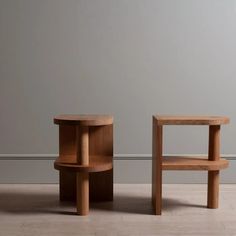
(85, 159)
(212, 163)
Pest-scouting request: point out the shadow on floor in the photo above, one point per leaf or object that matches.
(27, 203)
(172, 204)
(140, 205)
(34, 203)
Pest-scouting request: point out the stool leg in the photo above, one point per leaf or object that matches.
(213, 176)
(82, 182)
(157, 168)
(213, 189)
(82, 179)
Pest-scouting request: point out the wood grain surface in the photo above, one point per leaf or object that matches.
(191, 120)
(83, 120)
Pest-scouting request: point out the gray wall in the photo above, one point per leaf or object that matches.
(129, 58)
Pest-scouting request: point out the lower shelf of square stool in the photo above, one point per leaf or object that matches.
(96, 164)
(192, 163)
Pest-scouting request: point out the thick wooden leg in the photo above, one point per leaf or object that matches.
(82, 182)
(82, 179)
(213, 176)
(213, 189)
(157, 168)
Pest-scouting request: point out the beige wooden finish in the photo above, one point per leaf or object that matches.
(192, 163)
(83, 120)
(85, 159)
(96, 164)
(191, 120)
(213, 163)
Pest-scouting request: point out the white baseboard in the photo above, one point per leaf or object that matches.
(128, 168)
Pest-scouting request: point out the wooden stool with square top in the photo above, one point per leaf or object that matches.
(211, 163)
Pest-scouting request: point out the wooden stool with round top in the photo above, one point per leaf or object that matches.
(85, 159)
(212, 163)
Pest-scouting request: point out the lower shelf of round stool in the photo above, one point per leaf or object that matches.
(96, 164)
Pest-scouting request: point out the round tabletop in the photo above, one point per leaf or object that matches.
(83, 120)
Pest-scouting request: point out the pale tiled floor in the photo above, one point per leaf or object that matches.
(34, 210)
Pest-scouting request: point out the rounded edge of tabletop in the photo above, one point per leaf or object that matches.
(83, 120)
(191, 120)
(93, 167)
